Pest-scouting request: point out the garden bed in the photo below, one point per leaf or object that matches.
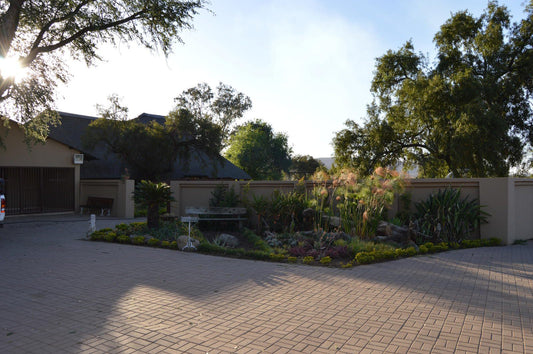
(326, 249)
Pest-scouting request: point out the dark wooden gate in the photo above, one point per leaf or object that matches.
(38, 189)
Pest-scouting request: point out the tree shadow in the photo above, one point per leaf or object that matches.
(91, 295)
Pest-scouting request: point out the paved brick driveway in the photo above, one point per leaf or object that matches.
(59, 294)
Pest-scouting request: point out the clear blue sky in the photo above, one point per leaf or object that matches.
(306, 64)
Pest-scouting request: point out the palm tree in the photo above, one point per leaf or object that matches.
(152, 195)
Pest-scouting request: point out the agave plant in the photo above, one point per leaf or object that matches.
(152, 195)
(445, 216)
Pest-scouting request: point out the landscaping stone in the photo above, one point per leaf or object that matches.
(386, 232)
(182, 242)
(229, 240)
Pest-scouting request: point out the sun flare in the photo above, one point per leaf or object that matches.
(11, 67)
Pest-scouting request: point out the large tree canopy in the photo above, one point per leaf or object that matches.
(259, 151)
(468, 113)
(223, 108)
(39, 34)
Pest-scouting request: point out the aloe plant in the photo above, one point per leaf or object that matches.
(445, 216)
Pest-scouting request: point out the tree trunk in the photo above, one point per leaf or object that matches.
(152, 216)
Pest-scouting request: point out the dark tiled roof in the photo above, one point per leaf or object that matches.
(104, 165)
(71, 129)
(146, 118)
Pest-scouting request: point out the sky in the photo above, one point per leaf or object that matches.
(306, 65)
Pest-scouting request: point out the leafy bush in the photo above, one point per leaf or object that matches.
(365, 257)
(338, 252)
(308, 259)
(222, 196)
(256, 241)
(165, 244)
(138, 240)
(325, 260)
(406, 252)
(110, 236)
(153, 242)
(123, 239)
(277, 257)
(292, 259)
(446, 217)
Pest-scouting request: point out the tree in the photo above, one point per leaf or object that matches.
(223, 109)
(469, 113)
(304, 166)
(152, 195)
(259, 151)
(39, 35)
(150, 150)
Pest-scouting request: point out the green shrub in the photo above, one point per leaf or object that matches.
(173, 245)
(385, 254)
(222, 196)
(308, 259)
(325, 260)
(110, 236)
(165, 244)
(277, 257)
(470, 243)
(430, 247)
(400, 252)
(138, 226)
(291, 259)
(99, 235)
(347, 265)
(423, 249)
(364, 257)
(153, 242)
(258, 255)
(208, 247)
(257, 242)
(123, 239)
(491, 242)
(138, 240)
(454, 245)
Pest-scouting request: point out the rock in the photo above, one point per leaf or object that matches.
(182, 242)
(228, 240)
(387, 232)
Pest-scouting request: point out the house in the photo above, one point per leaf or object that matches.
(50, 178)
(40, 179)
(100, 164)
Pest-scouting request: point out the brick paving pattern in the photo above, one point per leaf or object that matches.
(60, 294)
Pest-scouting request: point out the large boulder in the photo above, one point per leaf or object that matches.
(182, 242)
(400, 235)
(228, 240)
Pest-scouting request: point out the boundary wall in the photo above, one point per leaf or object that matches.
(508, 200)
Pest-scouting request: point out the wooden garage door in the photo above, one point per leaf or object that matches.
(38, 189)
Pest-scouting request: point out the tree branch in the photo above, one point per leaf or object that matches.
(94, 28)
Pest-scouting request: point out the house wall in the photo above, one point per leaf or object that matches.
(120, 190)
(50, 154)
(509, 201)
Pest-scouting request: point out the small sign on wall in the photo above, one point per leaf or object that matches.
(78, 159)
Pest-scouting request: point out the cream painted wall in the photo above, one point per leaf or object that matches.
(508, 200)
